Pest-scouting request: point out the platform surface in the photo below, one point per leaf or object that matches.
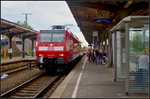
(3, 61)
(88, 80)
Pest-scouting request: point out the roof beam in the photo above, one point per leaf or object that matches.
(92, 28)
(33, 37)
(29, 36)
(95, 5)
(84, 19)
(17, 33)
(3, 21)
(7, 28)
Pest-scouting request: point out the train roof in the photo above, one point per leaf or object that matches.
(65, 30)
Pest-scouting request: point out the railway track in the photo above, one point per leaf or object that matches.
(33, 88)
(15, 67)
(37, 87)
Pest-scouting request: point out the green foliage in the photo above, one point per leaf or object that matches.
(4, 37)
(28, 53)
(24, 25)
(136, 42)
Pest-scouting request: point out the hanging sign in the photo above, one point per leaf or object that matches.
(95, 33)
(102, 20)
(95, 42)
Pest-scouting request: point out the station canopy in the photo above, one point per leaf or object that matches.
(12, 29)
(101, 15)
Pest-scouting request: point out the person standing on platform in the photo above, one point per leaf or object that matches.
(93, 55)
(143, 68)
(97, 55)
(105, 56)
(89, 55)
(101, 57)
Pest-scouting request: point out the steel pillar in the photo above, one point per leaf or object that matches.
(10, 47)
(32, 47)
(23, 52)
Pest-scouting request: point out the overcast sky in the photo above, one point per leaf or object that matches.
(44, 14)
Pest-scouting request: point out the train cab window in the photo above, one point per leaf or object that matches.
(58, 36)
(45, 36)
(52, 35)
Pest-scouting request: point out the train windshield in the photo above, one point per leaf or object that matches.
(52, 35)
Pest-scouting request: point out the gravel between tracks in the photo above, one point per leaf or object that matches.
(17, 78)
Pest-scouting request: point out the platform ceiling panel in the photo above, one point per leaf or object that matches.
(84, 11)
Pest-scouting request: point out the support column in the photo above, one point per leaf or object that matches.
(104, 42)
(101, 45)
(106, 46)
(23, 52)
(32, 47)
(109, 49)
(127, 58)
(115, 56)
(10, 47)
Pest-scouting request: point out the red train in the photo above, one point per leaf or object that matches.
(56, 46)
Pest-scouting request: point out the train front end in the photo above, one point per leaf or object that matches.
(50, 49)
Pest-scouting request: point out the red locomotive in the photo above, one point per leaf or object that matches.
(56, 46)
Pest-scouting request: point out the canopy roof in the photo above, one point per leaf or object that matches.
(12, 29)
(86, 12)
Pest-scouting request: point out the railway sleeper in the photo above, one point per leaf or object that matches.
(27, 91)
(25, 94)
(20, 97)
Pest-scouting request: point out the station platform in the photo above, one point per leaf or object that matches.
(15, 59)
(88, 80)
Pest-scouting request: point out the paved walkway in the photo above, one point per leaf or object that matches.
(88, 80)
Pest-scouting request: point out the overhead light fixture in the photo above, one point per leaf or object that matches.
(128, 4)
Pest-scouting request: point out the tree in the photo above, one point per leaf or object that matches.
(136, 42)
(24, 25)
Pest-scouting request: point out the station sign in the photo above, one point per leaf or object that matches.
(95, 42)
(102, 20)
(95, 33)
(10, 50)
(4, 43)
(19, 42)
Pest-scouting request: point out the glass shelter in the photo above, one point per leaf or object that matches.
(130, 39)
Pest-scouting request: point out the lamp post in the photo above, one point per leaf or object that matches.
(26, 24)
(26, 17)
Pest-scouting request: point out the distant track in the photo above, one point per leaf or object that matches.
(7, 69)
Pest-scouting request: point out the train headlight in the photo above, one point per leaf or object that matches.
(40, 54)
(60, 54)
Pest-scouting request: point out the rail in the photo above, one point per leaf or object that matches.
(29, 88)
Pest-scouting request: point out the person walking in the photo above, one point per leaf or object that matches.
(93, 55)
(101, 57)
(105, 56)
(89, 54)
